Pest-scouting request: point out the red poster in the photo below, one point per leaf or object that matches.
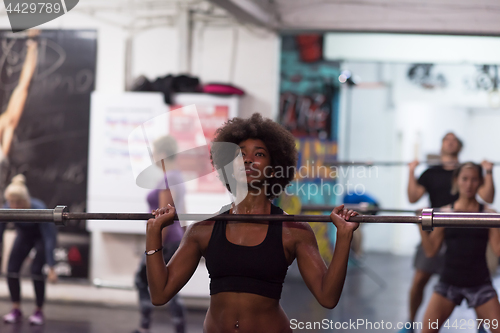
(211, 118)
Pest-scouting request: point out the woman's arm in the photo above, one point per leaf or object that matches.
(326, 283)
(487, 190)
(2, 229)
(166, 281)
(431, 241)
(15, 107)
(49, 235)
(495, 240)
(415, 190)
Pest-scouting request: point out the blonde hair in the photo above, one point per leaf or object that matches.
(17, 189)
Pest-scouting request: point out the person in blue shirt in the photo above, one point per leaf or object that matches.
(355, 199)
(41, 237)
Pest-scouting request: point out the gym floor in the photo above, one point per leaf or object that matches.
(376, 290)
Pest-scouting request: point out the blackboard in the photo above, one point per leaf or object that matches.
(50, 143)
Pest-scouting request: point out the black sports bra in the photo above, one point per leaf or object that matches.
(259, 269)
(465, 257)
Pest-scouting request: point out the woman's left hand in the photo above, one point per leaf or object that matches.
(340, 218)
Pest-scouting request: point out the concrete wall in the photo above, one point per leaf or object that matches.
(245, 57)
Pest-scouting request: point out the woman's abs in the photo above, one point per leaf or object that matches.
(242, 313)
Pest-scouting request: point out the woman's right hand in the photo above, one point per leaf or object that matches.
(163, 217)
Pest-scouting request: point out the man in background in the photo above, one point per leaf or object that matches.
(436, 181)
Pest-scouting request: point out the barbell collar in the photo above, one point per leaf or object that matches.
(426, 219)
(58, 215)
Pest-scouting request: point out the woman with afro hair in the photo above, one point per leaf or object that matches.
(248, 261)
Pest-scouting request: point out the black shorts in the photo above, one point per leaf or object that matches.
(475, 296)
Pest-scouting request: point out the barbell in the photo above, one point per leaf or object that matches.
(428, 218)
(333, 162)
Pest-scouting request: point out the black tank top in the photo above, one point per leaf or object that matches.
(259, 269)
(465, 258)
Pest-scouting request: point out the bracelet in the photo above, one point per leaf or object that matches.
(489, 172)
(151, 252)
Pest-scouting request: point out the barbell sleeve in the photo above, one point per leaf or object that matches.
(28, 215)
(466, 220)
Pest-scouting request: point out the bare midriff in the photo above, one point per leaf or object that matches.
(245, 313)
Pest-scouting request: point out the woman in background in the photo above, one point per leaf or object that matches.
(164, 149)
(29, 235)
(465, 273)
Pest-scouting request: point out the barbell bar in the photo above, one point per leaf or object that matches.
(333, 162)
(359, 208)
(428, 218)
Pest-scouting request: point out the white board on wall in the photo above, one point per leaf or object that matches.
(111, 182)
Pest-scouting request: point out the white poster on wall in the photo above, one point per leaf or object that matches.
(112, 185)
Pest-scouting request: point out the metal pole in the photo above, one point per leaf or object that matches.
(241, 217)
(47, 215)
(107, 216)
(358, 208)
(184, 28)
(347, 137)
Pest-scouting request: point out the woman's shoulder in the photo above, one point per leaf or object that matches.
(298, 230)
(199, 230)
(446, 208)
(201, 227)
(296, 226)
